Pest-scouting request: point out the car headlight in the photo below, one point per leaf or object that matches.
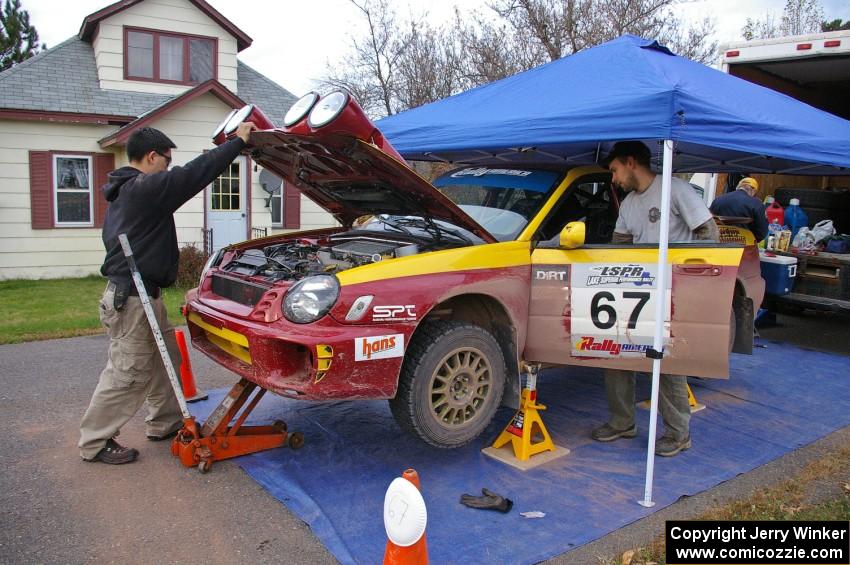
(310, 299)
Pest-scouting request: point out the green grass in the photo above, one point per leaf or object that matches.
(47, 309)
(787, 500)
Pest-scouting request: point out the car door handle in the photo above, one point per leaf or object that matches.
(703, 270)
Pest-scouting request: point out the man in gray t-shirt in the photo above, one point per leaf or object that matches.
(639, 221)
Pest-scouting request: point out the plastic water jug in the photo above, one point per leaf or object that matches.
(795, 217)
(775, 214)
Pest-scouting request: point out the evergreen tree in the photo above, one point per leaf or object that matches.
(18, 38)
(835, 25)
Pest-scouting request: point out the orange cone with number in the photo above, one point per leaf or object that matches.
(417, 552)
(187, 379)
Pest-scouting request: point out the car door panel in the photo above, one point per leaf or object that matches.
(700, 299)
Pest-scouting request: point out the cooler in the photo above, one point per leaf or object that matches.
(778, 273)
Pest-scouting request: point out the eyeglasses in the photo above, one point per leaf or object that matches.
(167, 157)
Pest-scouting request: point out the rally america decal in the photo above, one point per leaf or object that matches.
(590, 346)
(612, 309)
(378, 347)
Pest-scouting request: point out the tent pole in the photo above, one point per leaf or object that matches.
(712, 189)
(660, 311)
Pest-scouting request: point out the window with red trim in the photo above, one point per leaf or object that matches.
(65, 188)
(72, 190)
(174, 58)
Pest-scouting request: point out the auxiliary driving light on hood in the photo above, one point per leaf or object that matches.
(338, 112)
(247, 113)
(299, 111)
(218, 136)
(329, 108)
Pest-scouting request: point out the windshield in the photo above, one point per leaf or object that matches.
(502, 201)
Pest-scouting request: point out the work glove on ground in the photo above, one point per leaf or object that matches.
(490, 501)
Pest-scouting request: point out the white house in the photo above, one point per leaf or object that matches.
(66, 113)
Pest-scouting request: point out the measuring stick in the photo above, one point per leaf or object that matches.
(157, 333)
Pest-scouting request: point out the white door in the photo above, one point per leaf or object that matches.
(226, 210)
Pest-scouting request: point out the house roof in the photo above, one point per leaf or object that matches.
(89, 27)
(256, 88)
(62, 83)
(211, 86)
(64, 79)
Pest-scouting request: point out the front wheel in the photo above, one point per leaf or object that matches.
(451, 383)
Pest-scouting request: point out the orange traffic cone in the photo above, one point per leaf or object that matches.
(413, 513)
(187, 379)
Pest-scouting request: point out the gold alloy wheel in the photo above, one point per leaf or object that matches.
(460, 386)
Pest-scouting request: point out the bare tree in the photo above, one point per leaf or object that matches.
(763, 28)
(799, 17)
(429, 69)
(489, 50)
(395, 66)
(563, 27)
(371, 70)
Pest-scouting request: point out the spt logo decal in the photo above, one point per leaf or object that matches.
(395, 313)
(378, 347)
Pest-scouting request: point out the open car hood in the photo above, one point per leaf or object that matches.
(350, 178)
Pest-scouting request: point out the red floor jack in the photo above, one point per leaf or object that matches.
(217, 439)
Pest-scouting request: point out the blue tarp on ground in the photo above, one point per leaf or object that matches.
(777, 400)
(628, 88)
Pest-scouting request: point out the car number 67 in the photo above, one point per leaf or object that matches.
(597, 307)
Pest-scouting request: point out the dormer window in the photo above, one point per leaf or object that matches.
(158, 56)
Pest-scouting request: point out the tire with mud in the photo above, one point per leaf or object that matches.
(451, 383)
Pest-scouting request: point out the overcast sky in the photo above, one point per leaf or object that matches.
(294, 39)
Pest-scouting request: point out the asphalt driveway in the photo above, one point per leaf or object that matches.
(58, 509)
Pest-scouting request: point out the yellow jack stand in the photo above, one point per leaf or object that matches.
(525, 427)
(692, 402)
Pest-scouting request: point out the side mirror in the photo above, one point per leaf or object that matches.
(572, 236)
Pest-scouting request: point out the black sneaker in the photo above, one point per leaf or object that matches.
(606, 433)
(115, 454)
(668, 446)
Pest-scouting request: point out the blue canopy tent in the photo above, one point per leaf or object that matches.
(572, 110)
(575, 108)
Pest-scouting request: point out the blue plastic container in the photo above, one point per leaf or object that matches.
(778, 273)
(795, 217)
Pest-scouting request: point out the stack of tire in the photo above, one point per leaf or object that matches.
(820, 204)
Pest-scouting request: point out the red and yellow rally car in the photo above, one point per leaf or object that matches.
(435, 300)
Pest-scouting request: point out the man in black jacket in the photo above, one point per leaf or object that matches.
(142, 200)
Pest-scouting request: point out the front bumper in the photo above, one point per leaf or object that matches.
(312, 361)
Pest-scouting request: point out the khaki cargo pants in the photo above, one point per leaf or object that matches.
(672, 402)
(134, 373)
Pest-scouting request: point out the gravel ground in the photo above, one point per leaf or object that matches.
(57, 509)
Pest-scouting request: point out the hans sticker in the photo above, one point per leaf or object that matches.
(606, 275)
(394, 313)
(378, 347)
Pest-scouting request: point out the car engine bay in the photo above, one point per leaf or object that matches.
(294, 260)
